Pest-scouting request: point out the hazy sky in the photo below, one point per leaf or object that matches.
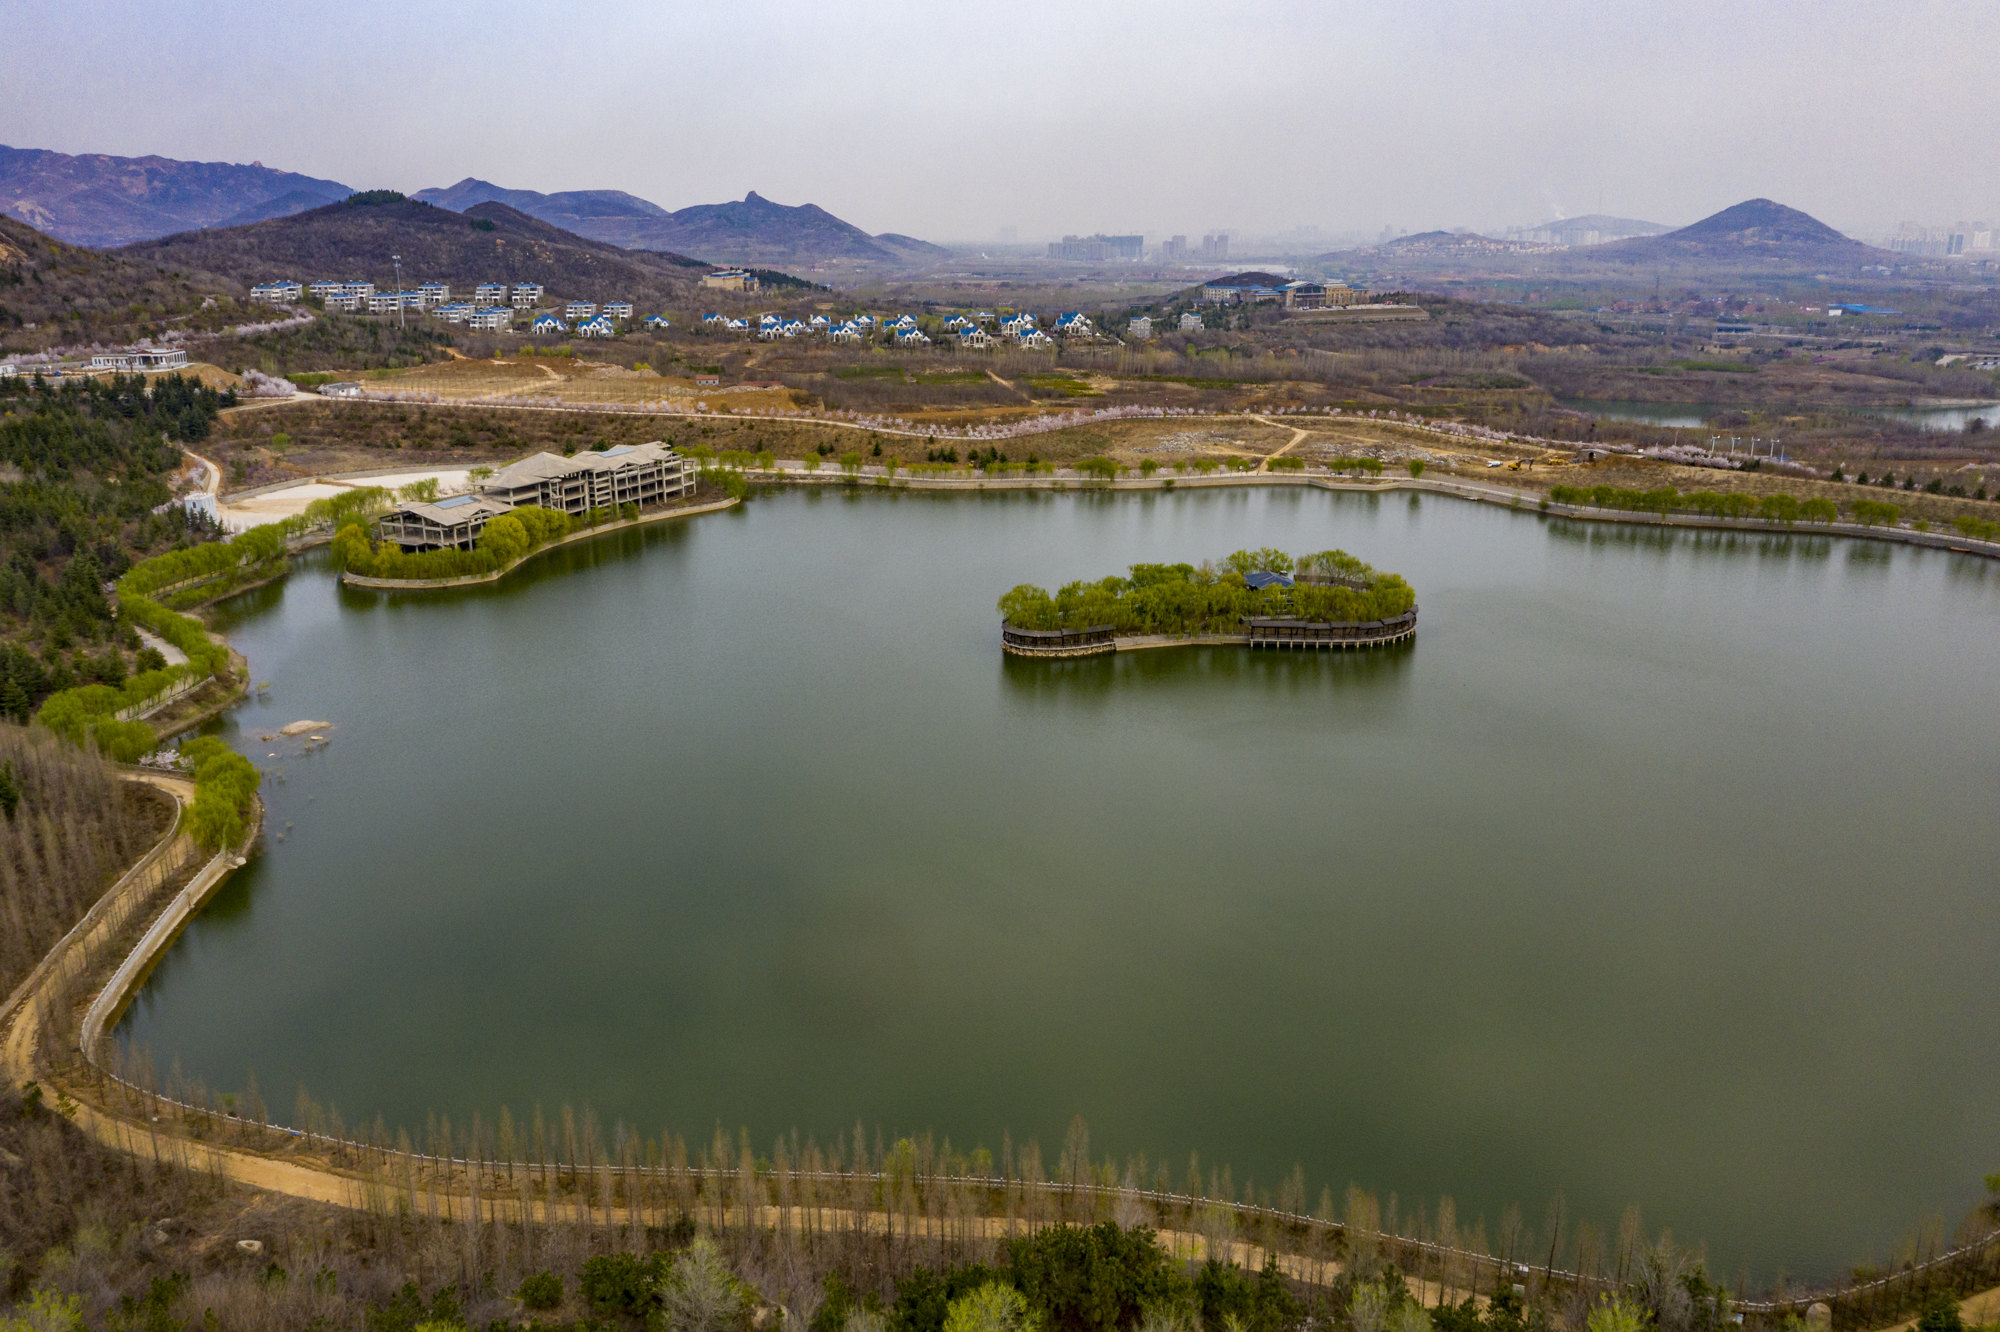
(950, 121)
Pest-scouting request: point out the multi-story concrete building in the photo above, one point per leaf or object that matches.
(730, 279)
(490, 293)
(454, 522)
(527, 295)
(642, 474)
(628, 474)
(434, 294)
(276, 293)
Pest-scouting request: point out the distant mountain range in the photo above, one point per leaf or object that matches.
(752, 231)
(1754, 236)
(1444, 245)
(1590, 229)
(99, 200)
(102, 201)
(490, 242)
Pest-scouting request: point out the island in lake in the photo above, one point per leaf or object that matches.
(1263, 598)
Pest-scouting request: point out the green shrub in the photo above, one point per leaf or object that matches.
(542, 1291)
(622, 1283)
(225, 784)
(1967, 525)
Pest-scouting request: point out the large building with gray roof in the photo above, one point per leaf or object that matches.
(641, 474)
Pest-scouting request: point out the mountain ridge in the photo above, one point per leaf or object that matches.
(101, 200)
(750, 230)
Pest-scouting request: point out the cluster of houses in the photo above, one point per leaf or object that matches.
(1141, 326)
(492, 307)
(592, 320)
(642, 474)
(970, 331)
(354, 297)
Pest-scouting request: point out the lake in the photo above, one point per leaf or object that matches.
(1659, 869)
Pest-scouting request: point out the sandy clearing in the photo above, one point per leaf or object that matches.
(291, 501)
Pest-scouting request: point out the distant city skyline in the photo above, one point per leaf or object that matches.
(953, 124)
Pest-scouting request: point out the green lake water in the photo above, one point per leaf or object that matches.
(1660, 868)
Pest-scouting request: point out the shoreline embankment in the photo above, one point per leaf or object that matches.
(876, 478)
(495, 575)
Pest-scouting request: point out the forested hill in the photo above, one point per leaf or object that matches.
(490, 243)
(53, 294)
(82, 469)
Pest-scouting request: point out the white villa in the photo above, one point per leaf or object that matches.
(1191, 323)
(146, 358)
(548, 323)
(600, 327)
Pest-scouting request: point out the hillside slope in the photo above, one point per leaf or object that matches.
(99, 200)
(53, 294)
(489, 243)
(752, 230)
